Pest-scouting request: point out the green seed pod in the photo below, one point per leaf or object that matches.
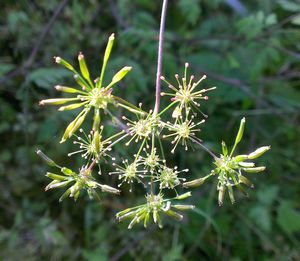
(57, 101)
(146, 219)
(240, 158)
(123, 212)
(196, 182)
(55, 176)
(49, 161)
(63, 62)
(72, 106)
(224, 148)
(96, 141)
(67, 89)
(126, 215)
(246, 164)
(83, 68)
(183, 207)
(245, 181)
(174, 215)
(51, 183)
(65, 195)
(77, 125)
(133, 222)
(81, 82)
(240, 133)
(259, 152)
(109, 189)
(231, 195)
(58, 185)
(96, 119)
(119, 76)
(66, 171)
(254, 170)
(184, 195)
(155, 215)
(221, 195)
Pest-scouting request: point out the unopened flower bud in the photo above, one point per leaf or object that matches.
(259, 152)
(184, 196)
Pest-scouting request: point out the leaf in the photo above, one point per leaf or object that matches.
(261, 217)
(47, 77)
(289, 5)
(296, 20)
(190, 9)
(288, 218)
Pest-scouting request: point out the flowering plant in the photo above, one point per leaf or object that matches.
(146, 130)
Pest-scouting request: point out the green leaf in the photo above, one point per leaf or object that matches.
(190, 9)
(288, 218)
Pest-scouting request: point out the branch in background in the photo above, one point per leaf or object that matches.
(30, 60)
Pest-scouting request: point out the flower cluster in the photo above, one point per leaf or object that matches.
(144, 133)
(229, 169)
(154, 206)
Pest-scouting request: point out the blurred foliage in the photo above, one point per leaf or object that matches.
(253, 56)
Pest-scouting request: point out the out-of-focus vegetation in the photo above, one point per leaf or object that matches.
(251, 52)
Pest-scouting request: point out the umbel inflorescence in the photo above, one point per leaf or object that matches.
(146, 130)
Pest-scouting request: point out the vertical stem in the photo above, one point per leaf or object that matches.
(160, 54)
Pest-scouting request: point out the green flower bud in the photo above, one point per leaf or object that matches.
(72, 106)
(259, 152)
(146, 219)
(65, 195)
(221, 195)
(57, 184)
(245, 181)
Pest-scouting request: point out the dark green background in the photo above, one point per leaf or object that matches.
(251, 54)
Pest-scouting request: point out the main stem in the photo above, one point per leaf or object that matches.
(160, 55)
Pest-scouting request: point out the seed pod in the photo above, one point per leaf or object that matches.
(81, 82)
(174, 214)
(77, 125)
(108, 48)
(49, 161)
(254, 170)
(184, 195)
(221, 195)
(127, 215)
(55, 176)
(146, 219)
(231, 195)
(259, 152)
(246, 164)
(195, 183)
(123, 212)
(133, 222)
(224, 148)
(183, 207)
(66, 194)
(67, 89)
(109, 189)
(155, 215)
(240, 133)
(96, 122)
(119, 76)
(57, 101)
(63, 62)
(96, 141)
(66, 171)
(240, 158)
(245, 181)
(72, 106)
(58, 185)
(83, 68)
